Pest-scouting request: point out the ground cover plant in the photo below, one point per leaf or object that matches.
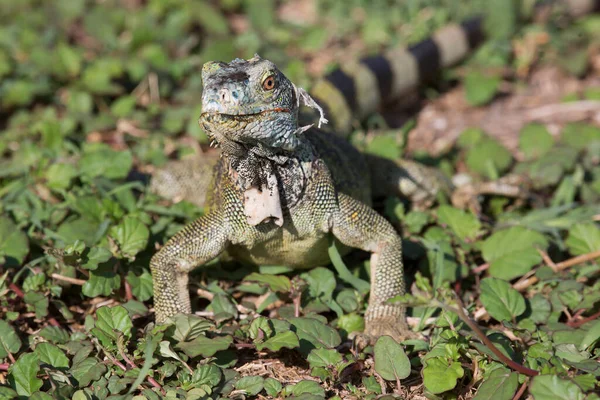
(95, 95)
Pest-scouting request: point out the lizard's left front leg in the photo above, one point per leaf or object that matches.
(358, 225)
(196, 244)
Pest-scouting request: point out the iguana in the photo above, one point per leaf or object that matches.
(283, 188)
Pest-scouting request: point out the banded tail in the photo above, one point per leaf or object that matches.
(356, 90)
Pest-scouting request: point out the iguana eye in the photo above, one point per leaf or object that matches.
(269, 83)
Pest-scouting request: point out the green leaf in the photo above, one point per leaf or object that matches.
(464, 225)
(551, 387)
(500, 300)
(100, 160)
(22, 375)
(9, 340)
(321, 283)
(59, 176)
(569, 352)
(500, 385)
(52, 355)
(131, 235)
(88, 370)
(286, 339)
(535, 141)
(277, 283)
(310, 387)
(123, 106)
(189, 326)
(384, 146)
(204, 346)
(82, 395)
(102, 281)
(349, 300)
(261, 13)
(470, 137)
(540, 308)
(315, 333)
(439, 376)
(96, 255)
(261, 328)
(14, 245)
(371, 385)
(141, 285)
(223, 307)
(250, 385)
(17, 92)
(7, 393)
(587, 383)
(68, 61)
(272, 387)
(579, 135)
(501, 18)
(152, 342)
(342, 270)
(480, 88)
(391, 361)
(166, 351)
(351, 323)
(41, 396)
(54, 334)
(83, 228)
(512, 252)
(416, 220)
(324, 357)
(210, 17)
(488, 158)
(592, 335)
(207, 374)
(583, 238)
(110, 319)
(39, 302)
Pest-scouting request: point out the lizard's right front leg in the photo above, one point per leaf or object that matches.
(196, 244)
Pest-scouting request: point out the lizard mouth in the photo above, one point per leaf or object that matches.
(243, 116)
(273, 127)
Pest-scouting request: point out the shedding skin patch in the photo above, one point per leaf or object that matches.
(263, 204)
(406, 71)
(452, 43)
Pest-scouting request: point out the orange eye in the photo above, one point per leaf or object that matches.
(269, 83)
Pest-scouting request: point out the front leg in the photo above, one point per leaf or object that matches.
(196, 244)
(357, 225)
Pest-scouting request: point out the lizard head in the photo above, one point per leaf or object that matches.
(249, 102)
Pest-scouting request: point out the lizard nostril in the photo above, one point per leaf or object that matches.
(225, 95)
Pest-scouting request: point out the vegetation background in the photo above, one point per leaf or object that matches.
(94, 95)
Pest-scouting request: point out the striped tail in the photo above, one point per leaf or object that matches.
(357, 90)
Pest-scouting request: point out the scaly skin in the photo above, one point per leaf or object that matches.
(321, 183)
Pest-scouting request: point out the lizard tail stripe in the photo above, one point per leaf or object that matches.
(357, 89)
